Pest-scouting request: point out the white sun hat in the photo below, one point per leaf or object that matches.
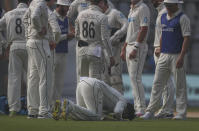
(181, 1)
(63, 2)
(173, 1)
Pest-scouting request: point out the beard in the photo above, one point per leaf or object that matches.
(62, 12)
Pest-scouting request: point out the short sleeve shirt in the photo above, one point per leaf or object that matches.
(139, 16)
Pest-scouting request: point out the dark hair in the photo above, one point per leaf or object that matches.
(24, 1)
(95, 2)
(129, 112)
(106, 2)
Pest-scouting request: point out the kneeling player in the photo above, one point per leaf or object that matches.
(93, 98)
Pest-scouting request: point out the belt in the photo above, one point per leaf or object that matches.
(82, 43)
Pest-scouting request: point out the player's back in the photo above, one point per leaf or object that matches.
(37, 18)
(14, 24)
(110, 95)
(90, 25)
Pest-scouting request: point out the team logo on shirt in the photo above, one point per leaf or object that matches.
(131, 19)
(166, 29)
(122, 16)
(145, 20)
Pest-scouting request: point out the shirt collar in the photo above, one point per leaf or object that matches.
(160, 7)
(108, 11)
(95, 7)
(137, 5)
(22, 5)
(175, 14)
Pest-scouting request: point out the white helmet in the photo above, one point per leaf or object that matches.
(63, 2)
(172, 1)
(181, 1)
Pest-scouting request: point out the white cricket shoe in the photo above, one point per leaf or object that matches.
(139, 114)
(147, 116)
(45, 116)
(164, 115)
(179, 117)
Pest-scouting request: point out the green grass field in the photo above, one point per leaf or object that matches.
(21, 123)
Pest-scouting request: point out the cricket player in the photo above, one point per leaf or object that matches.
(166, 110)
(54, 36)
(18, 57)
(118, 26)
(61, 49)
(39, 60)
(135, 50)
(91, 31)
(94, 97)
(75, 8)
(173, 44)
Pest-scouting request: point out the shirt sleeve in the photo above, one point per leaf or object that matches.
(26, 22)
(106, 36)
(185, 25)
(144, 16)
(158, 32)
(77, 29)
(63, 37)
(35, 18)
(2, 23)
(2, 29)
(54, 26)
(121, 19)
(73, 11)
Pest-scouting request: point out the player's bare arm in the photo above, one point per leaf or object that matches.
(180, 61)
(123, 52)
(158, 49)
(141, 36)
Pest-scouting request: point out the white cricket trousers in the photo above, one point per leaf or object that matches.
(116, 70)
(89, 102)
(59, 75)
(167, 94)
(39, 77)
(90, 66)
(18, 60)
(165, 67)
(135, 67)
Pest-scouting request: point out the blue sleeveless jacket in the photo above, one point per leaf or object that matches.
(62, 46)
(172, 39)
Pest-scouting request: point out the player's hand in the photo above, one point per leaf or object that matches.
(72, 30)
(157, 51)
(133, 54)
(70, 36)
(123, 55)
(43, 31)
(52, 45)
(180, 62)
(7, 52)
(112, 61)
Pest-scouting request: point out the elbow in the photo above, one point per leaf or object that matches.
(34, 20)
